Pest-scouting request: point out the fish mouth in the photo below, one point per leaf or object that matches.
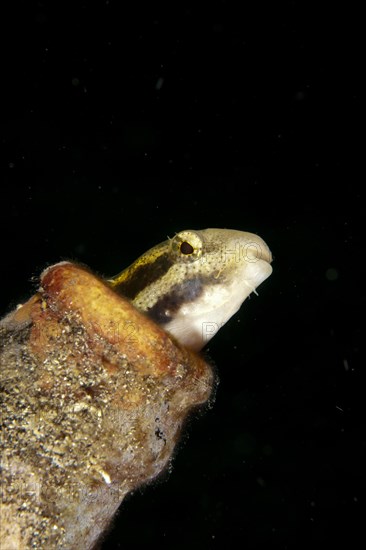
(254, 249)
(256, 274)
(256, 261)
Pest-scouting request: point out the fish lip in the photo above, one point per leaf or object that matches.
(256, 250)
(265, 254)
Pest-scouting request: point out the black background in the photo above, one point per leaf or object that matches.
(121, 125)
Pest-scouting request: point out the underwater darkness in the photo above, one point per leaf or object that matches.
(121, 126)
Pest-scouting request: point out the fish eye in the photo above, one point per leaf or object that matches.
(186, 248)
